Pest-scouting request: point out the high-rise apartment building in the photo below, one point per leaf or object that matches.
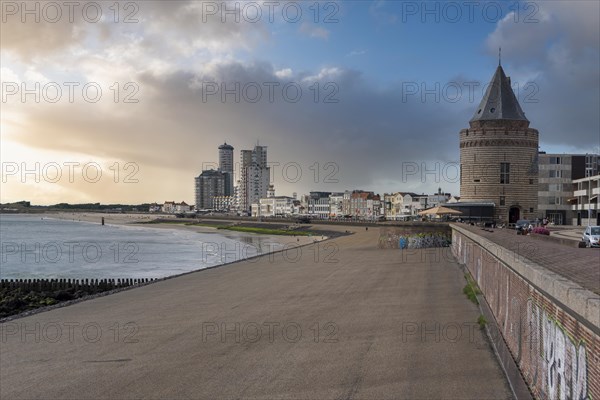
(209, 184)
(226, 166)
(254, 177)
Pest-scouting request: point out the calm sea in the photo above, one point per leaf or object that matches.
(41, 247)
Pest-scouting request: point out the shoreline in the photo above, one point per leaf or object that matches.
(140, 285)
(285, 241)
(141, 221)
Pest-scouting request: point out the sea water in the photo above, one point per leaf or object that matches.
(41, 247)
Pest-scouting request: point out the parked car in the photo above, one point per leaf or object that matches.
(591, 236)
(522, 226)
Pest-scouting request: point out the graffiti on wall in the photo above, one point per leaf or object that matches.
(560, 368)
(554, 362)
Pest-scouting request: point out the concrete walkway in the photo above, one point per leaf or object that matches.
(572, 234)
(349, 321)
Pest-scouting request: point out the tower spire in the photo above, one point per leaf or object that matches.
(499, 101)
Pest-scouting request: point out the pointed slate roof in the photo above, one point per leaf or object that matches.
(499, 102)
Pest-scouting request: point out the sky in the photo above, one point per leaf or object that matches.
(127, 102)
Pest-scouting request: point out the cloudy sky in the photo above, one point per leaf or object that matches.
(127, 103)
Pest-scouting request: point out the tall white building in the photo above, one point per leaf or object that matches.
(254, 177)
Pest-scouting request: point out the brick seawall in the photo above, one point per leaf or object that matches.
(545, 299)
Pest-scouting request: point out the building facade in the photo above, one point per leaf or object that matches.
(223, 203)
(226, 166)
(336, 205)
(400, 206)
(254, 177)
(365, 205)
(556, 187)
(318, 204)
(209, 184)
(585, 207)
(170, 207)
(275, 206)
(499, 155)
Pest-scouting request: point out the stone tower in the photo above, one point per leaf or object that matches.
(499, 155)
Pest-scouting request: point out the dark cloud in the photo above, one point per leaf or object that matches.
(360, 134)
(559, 53)
(365, 136)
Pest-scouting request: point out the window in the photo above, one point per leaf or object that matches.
(502, 200)
(554, 200)
(555, 160)
(505, 173)
(555, 174)
(530, 209)
(555, 187)
(531, 181)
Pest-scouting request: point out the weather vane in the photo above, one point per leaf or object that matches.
(499, 56)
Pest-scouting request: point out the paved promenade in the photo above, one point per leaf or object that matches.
(349, 321)
(581, 266)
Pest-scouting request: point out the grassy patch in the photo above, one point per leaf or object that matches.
(159, 221)
(265, 231)
(481, 321)
(471, 290)
(204, 225)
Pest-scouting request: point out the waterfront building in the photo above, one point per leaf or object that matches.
(226, 167)
(556, 175)
(170, 207)
(585, 202)
(336, 201)
(499, 155)
(254, 177)
(318, 204)
(209, 184)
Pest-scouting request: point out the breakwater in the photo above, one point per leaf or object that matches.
(21, 295)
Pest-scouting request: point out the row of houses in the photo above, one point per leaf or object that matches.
(357, 204)
(321, 205)
(407, 205)
(170, 207)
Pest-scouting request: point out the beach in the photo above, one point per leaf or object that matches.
(144, 219)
